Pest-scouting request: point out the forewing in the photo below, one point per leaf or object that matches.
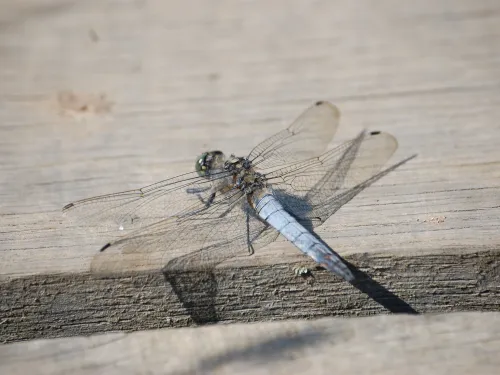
(314, 189)
(121, 213)
(308, 136)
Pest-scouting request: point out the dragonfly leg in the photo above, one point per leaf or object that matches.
(198, 191)
(251, 250)
(210, 199)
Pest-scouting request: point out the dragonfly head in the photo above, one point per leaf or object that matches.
(208, 161)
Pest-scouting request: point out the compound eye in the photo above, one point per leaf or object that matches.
(200, 165)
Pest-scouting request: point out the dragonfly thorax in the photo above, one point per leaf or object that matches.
(248, 181)
(245, 177)
(237, 164)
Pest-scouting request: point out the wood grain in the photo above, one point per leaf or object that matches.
(98, 97)
(459, 343)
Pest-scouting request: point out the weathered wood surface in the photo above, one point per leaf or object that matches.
(457, 343)
(97, 97)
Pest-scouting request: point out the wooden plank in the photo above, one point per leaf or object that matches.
(458, 343)
(119, 95)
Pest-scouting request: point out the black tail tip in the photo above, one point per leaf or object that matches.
(376, 132)
(105, 246)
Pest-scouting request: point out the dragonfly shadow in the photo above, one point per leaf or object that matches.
(197, 290)
(390, 301)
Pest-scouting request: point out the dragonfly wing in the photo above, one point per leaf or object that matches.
(144, 248)
(199, 241)
(129, 210)
(314, 189)
(322, 212)
(240, 232)
(308, 136)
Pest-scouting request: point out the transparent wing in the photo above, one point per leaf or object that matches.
(308, 136)
(229, 227)
(130, 210)
(239, 233)
(314, 189)
(144, 248)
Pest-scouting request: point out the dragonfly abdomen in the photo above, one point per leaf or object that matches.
(271, 210)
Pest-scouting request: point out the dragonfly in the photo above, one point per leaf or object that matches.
(230, 206)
